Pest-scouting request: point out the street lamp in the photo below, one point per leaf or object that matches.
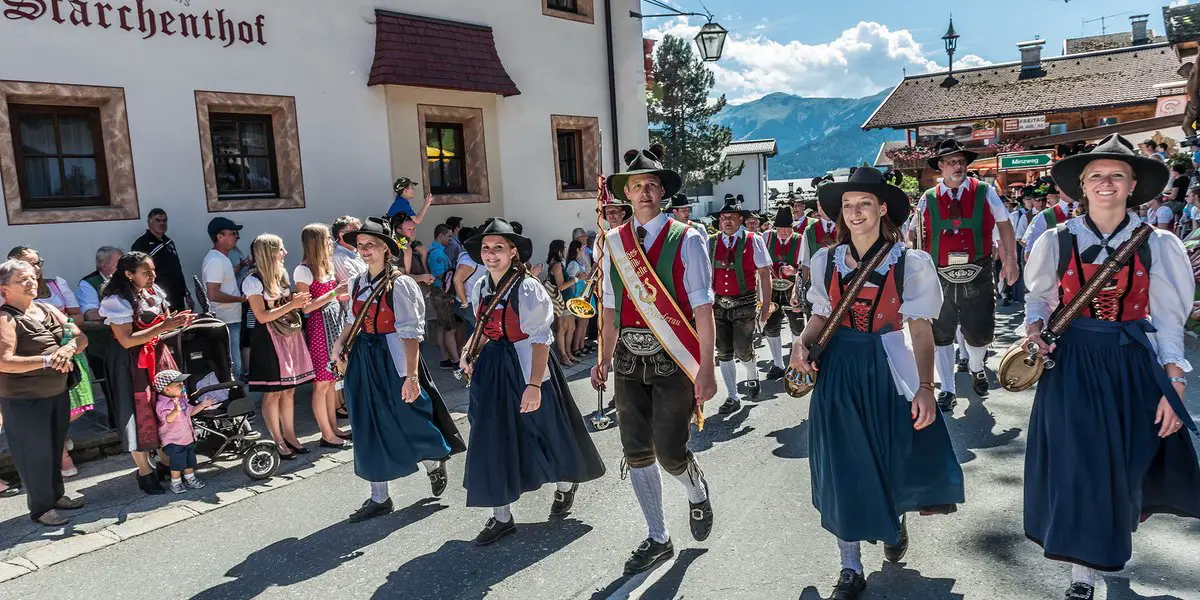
(951, 40)
(710, 42)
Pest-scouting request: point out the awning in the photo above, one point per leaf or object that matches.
(1098, 133)
(435, 53)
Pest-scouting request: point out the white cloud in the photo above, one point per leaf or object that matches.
(863, 60)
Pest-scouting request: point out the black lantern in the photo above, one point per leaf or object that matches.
(951, 40)
(711, 41)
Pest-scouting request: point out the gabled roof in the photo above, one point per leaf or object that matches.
(881, 158)
(1108, 41)
(767, 147)
(1108, 78)
(435, 53)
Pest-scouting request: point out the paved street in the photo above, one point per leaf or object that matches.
(767, 542)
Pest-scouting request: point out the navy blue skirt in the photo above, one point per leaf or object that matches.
(1095, 466)
(390, 435)
(868, 464)
(512, 452)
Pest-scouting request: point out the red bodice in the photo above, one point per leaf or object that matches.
(874, 308)
(1126, 296)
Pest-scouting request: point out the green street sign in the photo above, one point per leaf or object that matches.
(1040, 160)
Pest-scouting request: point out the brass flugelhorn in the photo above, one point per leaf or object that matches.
(581, 305)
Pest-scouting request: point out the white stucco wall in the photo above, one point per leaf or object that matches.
(352, 148)
(750, 183)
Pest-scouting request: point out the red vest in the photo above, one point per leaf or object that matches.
(801, 224)
(818, 238)
(630, 317)
(970, 233)
(504, 324)
(380, 316)
(725, 279)
(1125, 298)
(874, 308)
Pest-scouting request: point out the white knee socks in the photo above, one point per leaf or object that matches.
(502, 514)
(851, 553)
(944, 360)
(975, 357)
(1082, 574)
(431, 465)
(776, 345)
(647, 486)
(564, 486)
(690, 478)
(750, 368)
(729, 376)
(379, 491)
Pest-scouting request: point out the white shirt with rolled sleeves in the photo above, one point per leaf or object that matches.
(1038, 225)
(537, 318)
(408, 305)
(921, 298)
(806, 253)
(995, 204)
(1172, 286)
(693, 249)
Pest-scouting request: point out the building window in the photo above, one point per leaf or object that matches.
(570, 167)
(445, 158)
(1057, 128)
(59, 156)
(1106, 121)
(243, 155)
(583, 11)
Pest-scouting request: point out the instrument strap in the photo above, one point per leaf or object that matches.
(1112, 264)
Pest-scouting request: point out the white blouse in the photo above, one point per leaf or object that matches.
(921, 298)
(61, 296)
(253, 286)
(537, 318)
(1172, 286)
(303, 274)
(408, 304)
(118, 311)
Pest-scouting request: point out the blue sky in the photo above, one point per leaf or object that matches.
(809, 48)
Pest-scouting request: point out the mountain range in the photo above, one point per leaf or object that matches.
(814, 135)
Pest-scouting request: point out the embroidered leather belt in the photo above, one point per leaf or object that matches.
(640, 342)
(781, 284)
(965, 273)
(728, 302)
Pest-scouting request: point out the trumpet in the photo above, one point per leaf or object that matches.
(581, 306)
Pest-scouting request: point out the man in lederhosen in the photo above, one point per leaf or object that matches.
(958, 216)
(800, 210)
(784, 247)
(680, 209)
(658, 302)
(742, 284)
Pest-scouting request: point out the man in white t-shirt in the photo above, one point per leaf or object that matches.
(466, 273)
(224, 297)
(347, 265)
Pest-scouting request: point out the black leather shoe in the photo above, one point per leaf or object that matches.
(563, 501)
(371, 509)
(1080, 591)
(649, 555)
(438, 479)
(346, 436)
(297, 448)
(979, 383)
(849, 586)
(775, 373)
(342, 446)
(287, 456)
(946, 401)
(701, 515)
(962, 365)
(731, 406)
(752, 389)
(150, 484)
(896, 553)
(495, 530)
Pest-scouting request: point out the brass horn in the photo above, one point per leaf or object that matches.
(580, 306)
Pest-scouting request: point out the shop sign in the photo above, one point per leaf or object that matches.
(1025, 160)
(213, 25)
(1171, 105)
(931, 135)
(1036, 123)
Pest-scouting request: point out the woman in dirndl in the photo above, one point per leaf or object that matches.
(526, 430)
(322, 326)
(396, 412)
(137, 312)
(878, 446)
(279, 359)
(1106, 450)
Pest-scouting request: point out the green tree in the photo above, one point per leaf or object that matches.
(680, 115)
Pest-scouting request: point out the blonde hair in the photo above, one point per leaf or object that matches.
(1083, 199)
(271, 271)
(316, 240)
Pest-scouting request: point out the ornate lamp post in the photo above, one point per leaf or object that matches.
(951, 40)
(710, 42)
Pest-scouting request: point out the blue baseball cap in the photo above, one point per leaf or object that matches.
(219, 224)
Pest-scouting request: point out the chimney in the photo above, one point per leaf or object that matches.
(1139, 29)
(791, 187)
(1031, 57)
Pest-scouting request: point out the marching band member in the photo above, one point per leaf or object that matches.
(1105, 448)
(526, 430)
(680, 209)
(800, 210)
(784, 247)
(658, 300)
(878, 446)
(1057, 210)
(396, 411)
(821, 233)
(958, 217)
(742, 284)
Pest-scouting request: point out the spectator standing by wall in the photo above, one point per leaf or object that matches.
(454, 247)
(347, 265)
(161, 248)
(577, 270)
(556, 274)
(441, 297)
(466, 273)
(1159, 214)
(220, 279)
(323, 326)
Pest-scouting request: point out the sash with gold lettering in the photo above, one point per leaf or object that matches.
(649, 296)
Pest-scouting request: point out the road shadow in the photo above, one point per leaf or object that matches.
(665, 585)
(976, 429)
(1118, 588)
(464, 571)
(902, 582)
(793, 441)
(294, 560)
(721, 428)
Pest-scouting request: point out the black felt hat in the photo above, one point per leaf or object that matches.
(645, 162)
(868, 180)
(679, 201)
(949, 148)
(504, 229)
(732, 206)
(783, 217)
(375, 227)
(1150, 174)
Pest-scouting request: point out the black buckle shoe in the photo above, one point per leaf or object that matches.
(979, 383)
(731, 406)
(150, 484)
(896, 553)
(1080, 591)
(701, 515)
(775, 373)
(495, 530)
(946, 401)
(849, 586)
(649, 555)
(962, 363)
(438, 479)
(752, 389)
(371, 509)
(563, 501)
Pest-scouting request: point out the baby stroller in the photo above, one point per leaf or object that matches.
(222, 431)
